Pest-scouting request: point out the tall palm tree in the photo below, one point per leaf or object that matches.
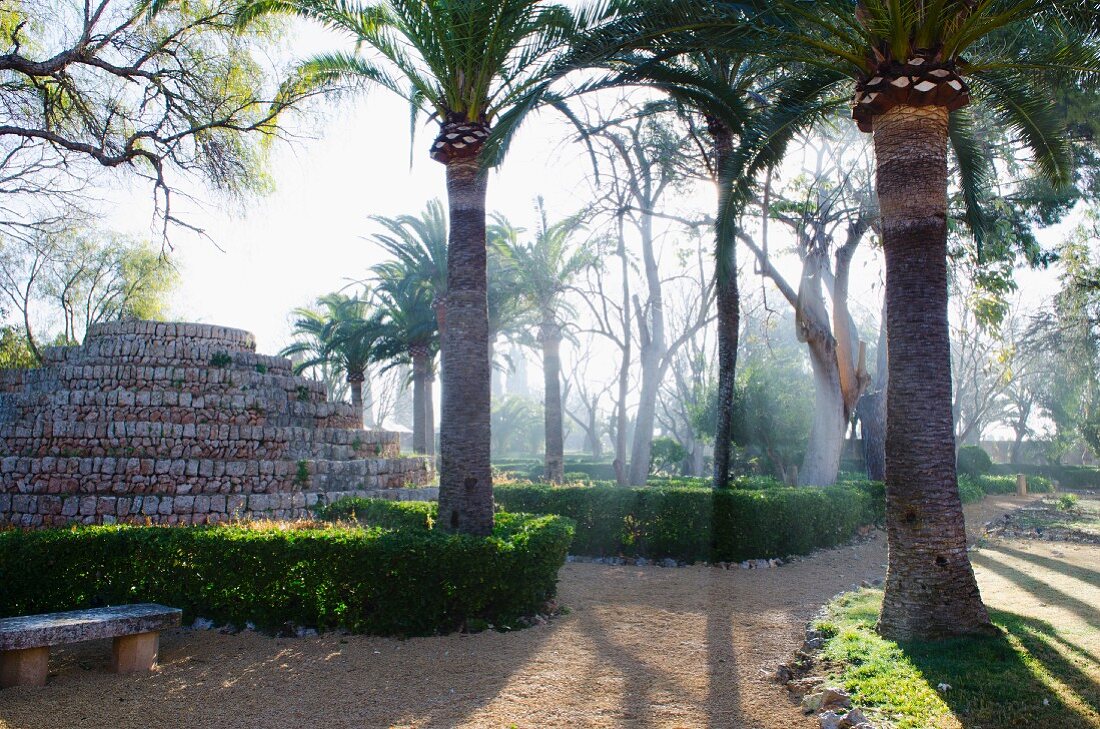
(917, 64)
(409, 289)
(339, 333)
(407, 332)
(419, 244)
(545, 267)
(466, 63)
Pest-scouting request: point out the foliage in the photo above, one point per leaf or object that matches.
(75, 278)
(338, 333)
(451, 60)
(159, 90)
(1067, 502)
(773, 401)
(696, 524)
(974, 461)
(14, 351)
(517, 425)
(1018, 678)
(666, 455)
(976, 488)
(389, 578)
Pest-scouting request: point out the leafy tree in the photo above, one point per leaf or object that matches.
(73, 279)
(161, 90)
(466, 63)
(15, 353)
(338, 333)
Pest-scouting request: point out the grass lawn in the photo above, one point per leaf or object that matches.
(1037, 673)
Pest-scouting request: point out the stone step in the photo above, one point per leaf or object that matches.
(112, 353)
(228, 337)
(25, 477)
(46, 511)
(231, 410)
(195, 380)
(172, 440)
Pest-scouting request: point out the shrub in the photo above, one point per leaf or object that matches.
(405, 581)
(1067, 502)
(695, 524)
(974, 461)
(975, 488)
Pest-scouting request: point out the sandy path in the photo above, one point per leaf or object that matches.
(640, 647)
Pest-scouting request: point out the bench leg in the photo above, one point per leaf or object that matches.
(26, 667)
(135, 653)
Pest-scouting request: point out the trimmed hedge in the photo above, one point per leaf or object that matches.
(976, 488)
(694, 524)
(973, 461)
(406, 581)
(1068, 477)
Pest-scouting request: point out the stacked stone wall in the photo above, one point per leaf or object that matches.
(182, 423)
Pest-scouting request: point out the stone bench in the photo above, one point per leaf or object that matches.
(25, 641)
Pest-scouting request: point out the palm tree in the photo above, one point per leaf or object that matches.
(917, 65)
(339, 334)
(465, 63)
(544, 269)
(407, 332)
(419, 244)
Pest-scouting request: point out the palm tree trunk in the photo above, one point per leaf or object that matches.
(420, 357)
(729, 314)
(930, 587)
(550, 338)
(429, 413)
(356, 383)
(465, 479)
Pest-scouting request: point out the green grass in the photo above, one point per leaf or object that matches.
(1030, 676)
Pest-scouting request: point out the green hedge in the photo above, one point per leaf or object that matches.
(694, 524)
(976, 488)
(1068, 477)
(973, 461)
(407, 581)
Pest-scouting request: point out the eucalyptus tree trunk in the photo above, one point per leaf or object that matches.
(550, 339)
(621, 421)
(651, 326)
(465, 479)
(930, 587)
(871, 411)
(729, 313)
(821, 462)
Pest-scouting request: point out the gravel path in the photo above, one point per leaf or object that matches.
(640, 647)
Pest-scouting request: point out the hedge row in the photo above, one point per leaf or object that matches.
(976, 488)
(1068, 477)
(406, 581)
(694, 524)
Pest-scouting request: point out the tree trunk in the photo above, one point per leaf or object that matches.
(550, 338)
(429, 413)
(421, 357)
(465, 478)
(652, 329)
(930, 587)
(356, 383)
(821, 463)
(621, 422)
(871, 411)
(729, 314)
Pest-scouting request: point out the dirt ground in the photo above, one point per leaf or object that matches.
(640, 647)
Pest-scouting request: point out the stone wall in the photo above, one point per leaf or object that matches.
(182, 423)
